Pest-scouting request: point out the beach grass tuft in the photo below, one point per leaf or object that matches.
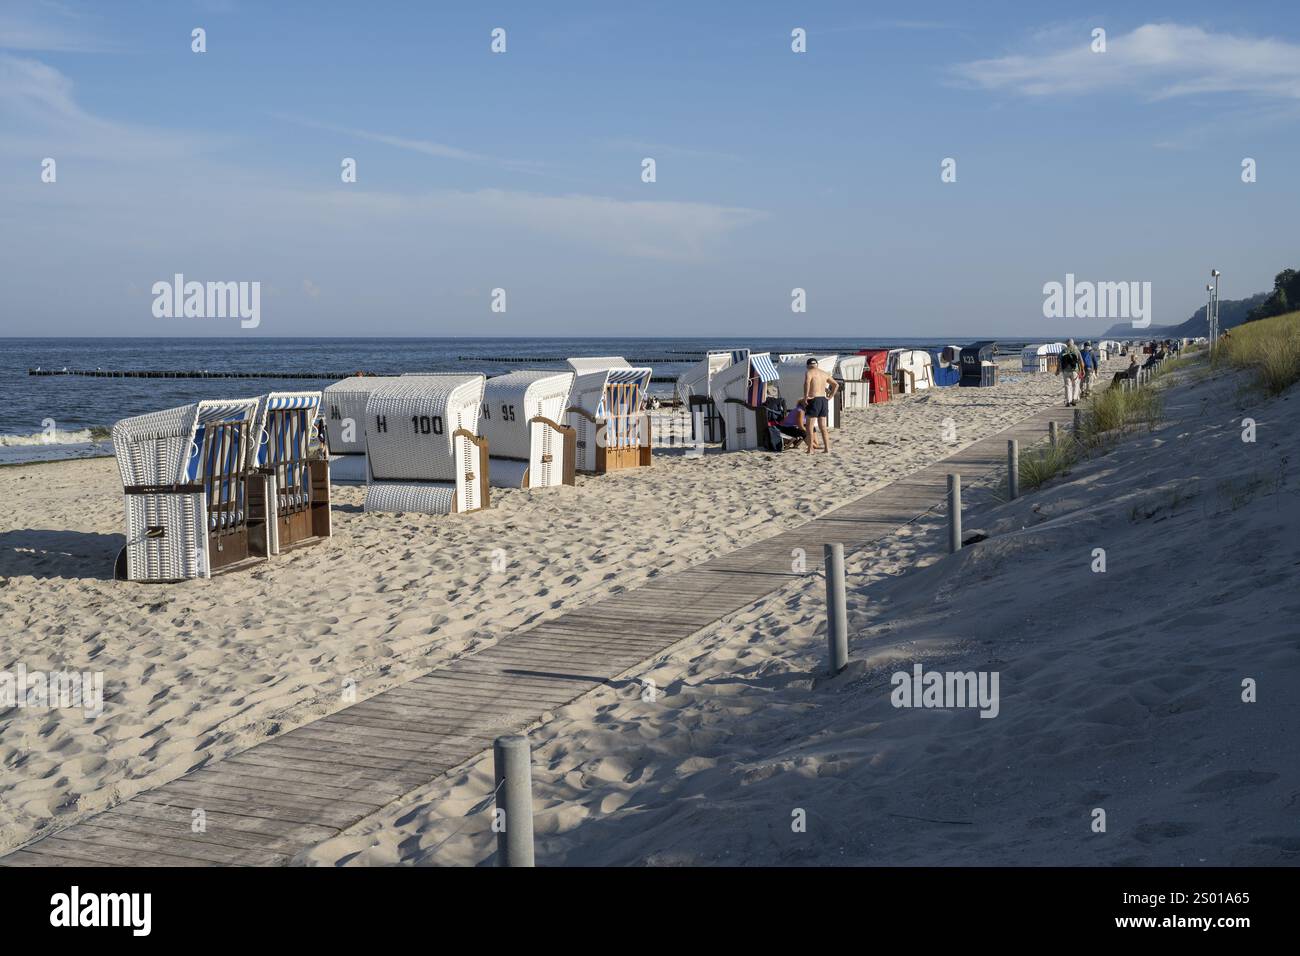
(1042, 463)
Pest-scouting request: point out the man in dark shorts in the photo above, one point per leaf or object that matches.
(818, 388)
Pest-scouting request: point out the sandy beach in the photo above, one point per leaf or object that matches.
(1121, 691)
(197, 671)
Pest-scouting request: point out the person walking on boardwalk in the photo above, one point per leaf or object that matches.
(1071, 368)
(818, 389)
(1089, 372)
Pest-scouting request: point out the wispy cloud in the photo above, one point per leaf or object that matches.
(653, 229)
(422, 146)
(39, 111)
(49, 27)
(1160, 60)
(667, 149)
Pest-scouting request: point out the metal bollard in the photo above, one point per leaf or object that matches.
(837, 619)
(514, 780)
(954, 513)
(1013, 469)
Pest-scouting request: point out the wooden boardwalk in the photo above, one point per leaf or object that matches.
(263, 805)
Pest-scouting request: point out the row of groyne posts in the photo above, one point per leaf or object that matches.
(512, 756)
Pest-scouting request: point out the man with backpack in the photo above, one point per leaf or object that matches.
(1089, 371)
(1071, 368)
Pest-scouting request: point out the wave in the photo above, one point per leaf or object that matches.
(80, 437)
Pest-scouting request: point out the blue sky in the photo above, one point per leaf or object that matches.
(522, 170)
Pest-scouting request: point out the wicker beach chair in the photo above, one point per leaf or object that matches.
(295, 466)
(520, 420)
(606, 413)
(740, 390)
(851, 371)
(191, 509)
(343, 406)
(423, 452)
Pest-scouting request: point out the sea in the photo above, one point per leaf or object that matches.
(44, 417)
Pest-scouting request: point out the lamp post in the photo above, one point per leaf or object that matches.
(1216, 275)
(1209, 313)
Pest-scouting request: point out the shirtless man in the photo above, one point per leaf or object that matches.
(818, 388)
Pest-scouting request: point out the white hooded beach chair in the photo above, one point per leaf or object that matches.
(1041, 358)
(851, 370)
(911, 370)
(288, 454)
(192, 508)
(343, 407)
(695, 389)
(423, 452)
(520, 418)
(739, 391)
(606, 412)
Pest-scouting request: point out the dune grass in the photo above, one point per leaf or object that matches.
(1269, 349)
(1042, 463)
(1113, 412)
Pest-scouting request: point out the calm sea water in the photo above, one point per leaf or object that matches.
(76, 404)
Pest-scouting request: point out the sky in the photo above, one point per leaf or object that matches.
(523, 170)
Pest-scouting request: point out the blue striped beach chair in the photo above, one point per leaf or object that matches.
(290, 456)
(607, 414)
(740, 390)
(191, 509)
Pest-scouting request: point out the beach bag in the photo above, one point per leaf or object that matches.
(775, 438)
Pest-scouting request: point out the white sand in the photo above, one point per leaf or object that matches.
(1120, 691)
(200, 670)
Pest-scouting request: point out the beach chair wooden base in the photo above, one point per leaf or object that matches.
(301, 523)
(589, 431)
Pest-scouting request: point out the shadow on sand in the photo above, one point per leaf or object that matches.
(44, 553)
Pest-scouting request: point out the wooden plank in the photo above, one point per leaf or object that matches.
(273, 831)
(193, 847)
(45, 858)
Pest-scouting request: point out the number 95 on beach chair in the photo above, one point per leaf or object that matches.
(423, 452)
(520, 419)
(295, 467)
(192, 508)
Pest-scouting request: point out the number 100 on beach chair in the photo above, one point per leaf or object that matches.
(192, 508)
(423, 450)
